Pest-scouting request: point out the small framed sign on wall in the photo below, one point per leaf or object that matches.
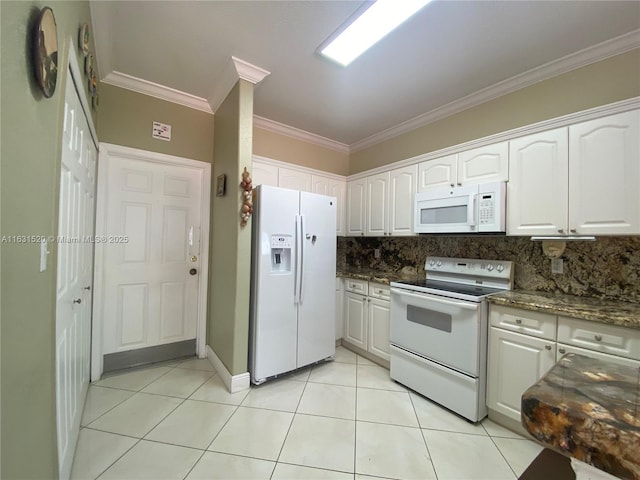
(220, 185)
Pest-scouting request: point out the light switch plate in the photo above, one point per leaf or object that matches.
(43, 255)
(557, 265)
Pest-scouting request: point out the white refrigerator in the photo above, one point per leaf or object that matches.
(293, 270)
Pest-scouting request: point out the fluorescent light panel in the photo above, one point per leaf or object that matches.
(366, 30)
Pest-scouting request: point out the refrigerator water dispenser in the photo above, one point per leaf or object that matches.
(281, 253)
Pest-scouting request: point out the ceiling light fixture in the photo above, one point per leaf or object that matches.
(365, 29)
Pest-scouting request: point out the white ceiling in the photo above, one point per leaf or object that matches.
(447, 51)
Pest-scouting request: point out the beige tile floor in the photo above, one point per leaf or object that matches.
(339, 420)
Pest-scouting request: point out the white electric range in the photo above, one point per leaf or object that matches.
(439, 331)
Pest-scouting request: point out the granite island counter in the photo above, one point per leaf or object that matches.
(588, 409)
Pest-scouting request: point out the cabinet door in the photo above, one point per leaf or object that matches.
(515, 363)
(378, 205)
(333, 188)
(264, 174)
(338, 189)
(402, 192)
(485, 164)
(294, 179)
(339, 309)
(537, 192)
(441, 172)
(356, 207)
(320, 184)
(379, 315)
(355, 319)
(604, 175)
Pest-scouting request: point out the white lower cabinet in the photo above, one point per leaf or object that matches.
(366, 316)
(379, 314)
(516, 362)
(524, 345)
(355, 319)
(339, 315)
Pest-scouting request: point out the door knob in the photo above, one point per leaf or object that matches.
(88, 287)
(193, 271)
(77, 300)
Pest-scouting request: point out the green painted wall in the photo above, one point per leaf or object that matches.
(228, 322)
(126, 117)
(31, 129)
(611, 80)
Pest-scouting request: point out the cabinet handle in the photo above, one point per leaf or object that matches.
(598, 338)
(561, 230)
(573, 230)
(453, 184)
(548, 347)
(369, 300)
(459, 184)
(562, 350)
(518, 321)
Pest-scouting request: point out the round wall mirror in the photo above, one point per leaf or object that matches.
(45, 51)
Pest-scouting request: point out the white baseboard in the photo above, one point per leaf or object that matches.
(234, 383)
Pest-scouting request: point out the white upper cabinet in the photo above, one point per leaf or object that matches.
(264, 174)
(538, 187)
(356, 207)
(604, 176)
(402, 191)
(577, 180)
(485, 164)
(480, 165)
(389, 202)
(334, 188)
(441, 172)
(377, 223)
(294, 179)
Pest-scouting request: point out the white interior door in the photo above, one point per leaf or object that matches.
(154, 255)
(75, 275)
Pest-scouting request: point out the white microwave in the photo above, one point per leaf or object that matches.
(467, 209)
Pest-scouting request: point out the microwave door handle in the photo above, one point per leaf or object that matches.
(473, 212)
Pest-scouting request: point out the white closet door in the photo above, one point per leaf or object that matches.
(75, 275)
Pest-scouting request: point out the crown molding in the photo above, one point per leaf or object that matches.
(234, 70)
(249, 72)
(156, 90)
(292, 132)
(587, 56)
(542, 126)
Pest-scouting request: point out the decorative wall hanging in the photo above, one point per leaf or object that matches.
(220, 185)
(45, 52)
(83, 39)
(247, 201)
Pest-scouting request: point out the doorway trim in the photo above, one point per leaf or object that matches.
(106, 150)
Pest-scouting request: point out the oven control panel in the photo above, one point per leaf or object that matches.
(499, 270)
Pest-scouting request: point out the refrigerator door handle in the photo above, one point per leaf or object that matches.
(296, 275)
(301, 258)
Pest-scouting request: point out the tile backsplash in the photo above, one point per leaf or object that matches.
(607, 268)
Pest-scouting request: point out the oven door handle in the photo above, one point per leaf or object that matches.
(432, 298)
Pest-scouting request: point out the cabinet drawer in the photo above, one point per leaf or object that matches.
(528, 322)
(564, 349)
(356, 286)
(380, 291)
(621, 341)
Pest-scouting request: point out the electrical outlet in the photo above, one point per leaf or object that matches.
(376, 253)
(557, 265)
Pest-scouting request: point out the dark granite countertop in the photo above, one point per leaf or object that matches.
(377, 276)
(613, 312)
(588, 409)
